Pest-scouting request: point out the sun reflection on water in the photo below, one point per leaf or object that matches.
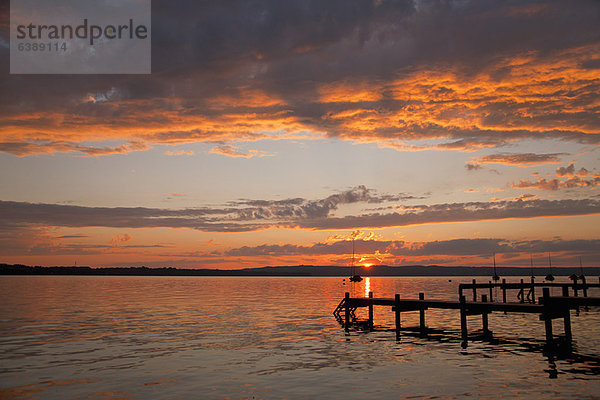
(367, 286)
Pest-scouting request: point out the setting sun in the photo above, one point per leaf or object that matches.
(367, 265)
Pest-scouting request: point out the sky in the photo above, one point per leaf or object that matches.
(277, 132)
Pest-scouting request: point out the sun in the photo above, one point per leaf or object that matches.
(367, 265)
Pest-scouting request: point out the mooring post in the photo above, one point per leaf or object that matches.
(371, 311)
(567, 317)
(463, 321)
(347, 311)
(584, 285)
(504, 290)
(422, 315)
(574, 287)
(547, 316)
(397, 301)
(532, 289)
(474, 290)
(491, 291)
(484, 318)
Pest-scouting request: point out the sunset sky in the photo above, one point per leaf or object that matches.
(272, 132)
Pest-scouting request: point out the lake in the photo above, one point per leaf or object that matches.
(93, 337)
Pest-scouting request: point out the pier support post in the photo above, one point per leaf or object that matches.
(371, 311)
(584, 285)
(491, 292)
(521, 295)
(463, 321)
(347, 311)
(547, 317)
(474, 290)
(567, 319)
(397, 301)
(532, 289)
(484, 319)
(422, 326)
(504, 290)
(575, 292)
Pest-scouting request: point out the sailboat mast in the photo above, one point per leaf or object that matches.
(531, 260)
(352, 257)
(495, 277)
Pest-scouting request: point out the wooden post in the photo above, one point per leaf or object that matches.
(371, 311)
(547, 317)
(491, 291)
(584, 284)
(347, 309)
(474, 290)
(422, 315)
(522, 292)
(574, 287)
(484, 318)
(567, 318)
(397, 300)
(567, 321)
(463, 321)
(533, 289)
(504, 290)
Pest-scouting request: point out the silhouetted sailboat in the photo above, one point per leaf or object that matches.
(531, 259)
(496, 278)
(550, 277)
(354, 277)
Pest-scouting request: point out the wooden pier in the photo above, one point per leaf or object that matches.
(548, 307)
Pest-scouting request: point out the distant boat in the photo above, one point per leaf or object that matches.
(354, 277)
(496, 278)
(550, 277)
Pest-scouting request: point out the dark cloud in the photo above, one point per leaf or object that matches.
(454, 247)
(473, 167)
(458, 212)
(526, 159)
(293, 213)
(570, 171)
(240, 216)
(307, 209)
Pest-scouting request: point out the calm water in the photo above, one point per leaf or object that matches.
(266, 338)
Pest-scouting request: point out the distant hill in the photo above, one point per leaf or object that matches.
(298, 270)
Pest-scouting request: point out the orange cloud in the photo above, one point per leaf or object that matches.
(116, 241)
(179, 153)
(519, 96)
(231, 151)
(555, 184)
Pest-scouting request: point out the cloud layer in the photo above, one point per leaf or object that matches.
(410, 75)
(251, 215)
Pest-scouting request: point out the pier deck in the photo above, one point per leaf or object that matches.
(548, 307)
